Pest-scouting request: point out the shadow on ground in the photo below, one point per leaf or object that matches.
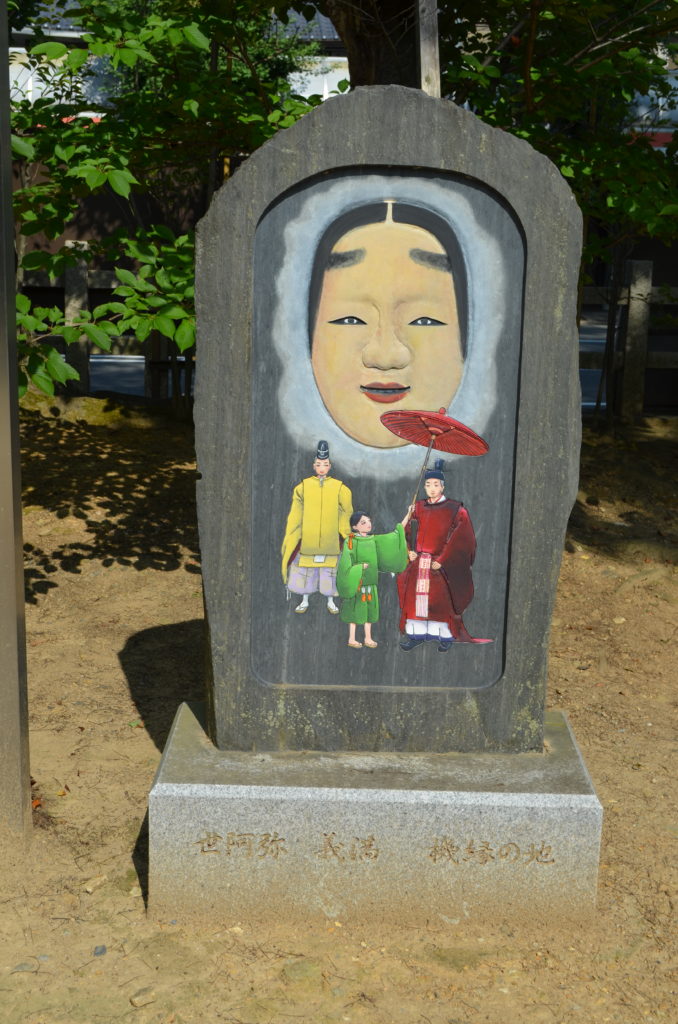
(131, 487)
(164, 666)
(628, 502)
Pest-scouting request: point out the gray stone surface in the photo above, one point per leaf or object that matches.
(272, 688)
(370, 837)
(15, 793)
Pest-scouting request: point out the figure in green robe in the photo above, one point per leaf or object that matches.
(363, 557)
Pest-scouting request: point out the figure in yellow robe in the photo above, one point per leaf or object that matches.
(317, 522)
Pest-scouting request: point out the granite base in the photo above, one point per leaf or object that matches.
(418, 838)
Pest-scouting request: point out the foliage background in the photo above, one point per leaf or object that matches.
(187, 88)
(159, 99)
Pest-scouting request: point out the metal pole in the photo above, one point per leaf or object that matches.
(429, 56)
(15, 791)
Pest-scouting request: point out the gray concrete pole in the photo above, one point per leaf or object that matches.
(76, 298)
(429, 56)
(15, 790)
(639, 274)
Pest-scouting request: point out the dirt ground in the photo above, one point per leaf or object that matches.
(114, 644)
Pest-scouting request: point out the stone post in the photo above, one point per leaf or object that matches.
(75, 300)
(639, 276)
(15, 804)
(429, 58)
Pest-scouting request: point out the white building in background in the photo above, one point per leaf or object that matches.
(321, 77)
(324, 74)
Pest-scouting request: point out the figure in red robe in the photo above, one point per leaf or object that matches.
(437, 586)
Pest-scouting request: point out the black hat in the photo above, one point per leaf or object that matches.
(323, 451)
(437, 472)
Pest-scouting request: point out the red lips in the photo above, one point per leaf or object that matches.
(388, 392)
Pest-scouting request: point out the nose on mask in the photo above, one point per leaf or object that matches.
(386, 351)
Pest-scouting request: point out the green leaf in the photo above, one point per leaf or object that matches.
(29, 323)
(191, 106)
(156, 301)
(35, 260)
(23, 303)
(51, 50)
(196, 38)
(185, 335)
(42, 380)
(171, 309)
(94, 177)
(669, 211)
(144, 328)
(120, 182)
(23, 147)
(130, 323)
(162, 231)
(165, 325)
(64, 152)
(76, 58)
(97, 336)
(59, 369)
(162, 279)
(109, 328)
(70, 334)
(126, 276)
(109, 307)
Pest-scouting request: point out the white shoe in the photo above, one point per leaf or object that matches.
(303, 607)
(331, 607)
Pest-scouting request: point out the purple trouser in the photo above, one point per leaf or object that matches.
(308, 581)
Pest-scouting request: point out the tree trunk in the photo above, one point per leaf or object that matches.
(380, 40)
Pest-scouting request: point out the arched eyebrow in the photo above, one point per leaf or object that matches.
(435, 260)
(345, 259)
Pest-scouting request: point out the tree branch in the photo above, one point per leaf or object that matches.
(247, 60)
(649, 34)
(596, 45)
(504, 43)
(529, 53)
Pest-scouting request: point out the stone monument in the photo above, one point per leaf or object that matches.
(387, 431)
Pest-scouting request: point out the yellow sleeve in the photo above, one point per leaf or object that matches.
(345, 510)
(293, 528)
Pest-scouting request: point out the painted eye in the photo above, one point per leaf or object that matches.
(426, 321)
(349, 321)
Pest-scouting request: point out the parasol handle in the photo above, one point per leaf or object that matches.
(423, 468)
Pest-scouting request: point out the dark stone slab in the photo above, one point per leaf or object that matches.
(280, 680)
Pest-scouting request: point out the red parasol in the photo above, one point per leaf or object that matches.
(434, 430)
